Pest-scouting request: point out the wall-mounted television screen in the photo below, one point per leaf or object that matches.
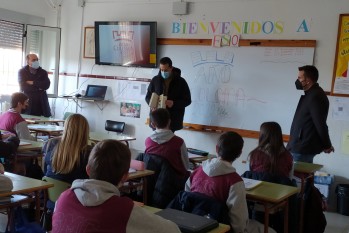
(126, 43)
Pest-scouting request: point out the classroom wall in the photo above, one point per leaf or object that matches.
(321, 17)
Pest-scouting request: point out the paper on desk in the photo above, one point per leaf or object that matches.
(131, 170)
(21, 143)
(250, 183)
(192, 156)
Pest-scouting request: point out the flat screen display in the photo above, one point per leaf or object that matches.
(126, 43)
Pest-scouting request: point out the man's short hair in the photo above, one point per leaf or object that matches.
(310, 72)
(109, 161)
(160, 118)
(166, 60)
(18, 97)
(229, 146)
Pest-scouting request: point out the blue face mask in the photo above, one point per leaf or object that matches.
(35, 64)
(165, 75)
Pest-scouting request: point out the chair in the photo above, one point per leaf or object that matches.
(66, 115)
(114, 126)
(52, 195)
(59, 187)
(200, 204)
(165, 184)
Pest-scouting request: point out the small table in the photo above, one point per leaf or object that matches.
(40, 119)
(22, 184)
(272, 196)
(50, 130)
(222, 228)
(142, 174)
(97, 137)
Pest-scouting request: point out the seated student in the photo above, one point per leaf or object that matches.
(12, 120)
(217, 178)
(95, 205)
(271, 156)
(66, 157)
(164, 143)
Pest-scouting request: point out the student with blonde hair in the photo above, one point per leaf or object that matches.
(66, 157)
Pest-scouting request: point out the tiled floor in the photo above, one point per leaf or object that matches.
(336, 223)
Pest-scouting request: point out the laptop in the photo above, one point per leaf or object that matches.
(95, 92)
(187, 222)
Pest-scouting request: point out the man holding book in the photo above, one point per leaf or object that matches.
(169, 90)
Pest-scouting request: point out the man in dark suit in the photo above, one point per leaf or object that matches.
(309, 132)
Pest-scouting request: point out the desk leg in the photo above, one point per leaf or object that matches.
(286, 217)
(301, 208)
(145, 191)
(266, 218)
(37, 206)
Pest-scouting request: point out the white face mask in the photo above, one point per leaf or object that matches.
(35, 64)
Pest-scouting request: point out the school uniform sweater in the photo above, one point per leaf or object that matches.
(165, 144)
(13, 122)
(218, 179)
(96, 206)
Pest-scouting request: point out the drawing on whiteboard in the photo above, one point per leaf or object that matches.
(240, 87)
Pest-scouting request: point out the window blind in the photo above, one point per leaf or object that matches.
(11, 35)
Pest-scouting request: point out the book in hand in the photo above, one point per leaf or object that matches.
(250, 183)
(157, 101)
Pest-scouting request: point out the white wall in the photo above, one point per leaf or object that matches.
(321, 16)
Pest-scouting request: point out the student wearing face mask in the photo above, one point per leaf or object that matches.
(34, 82)
(169, 83)
(309, 132)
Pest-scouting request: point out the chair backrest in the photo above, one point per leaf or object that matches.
(165, 184)
(114, 126)
(67, 114)
(200, 204)
(58, 188)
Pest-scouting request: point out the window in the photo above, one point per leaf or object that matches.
(41, 40)
(11, 51)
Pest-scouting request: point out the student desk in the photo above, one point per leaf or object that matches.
(22, 184)
(222, 228)
(97, 137)
(142, 175)
(28, 150)
(272, 196)
(305, 172)
(28, 145)
(40, 119)
(49, 130)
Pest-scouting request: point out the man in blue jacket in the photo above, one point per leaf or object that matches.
(169, 83)
(309, 132)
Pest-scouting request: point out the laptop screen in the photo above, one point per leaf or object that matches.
(95, 91)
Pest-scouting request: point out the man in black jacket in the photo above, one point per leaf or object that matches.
(34, 81)
(309, 132)
(169, 83)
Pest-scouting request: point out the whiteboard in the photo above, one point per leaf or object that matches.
(240, 87)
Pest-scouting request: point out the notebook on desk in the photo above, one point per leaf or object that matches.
(187, 222)
(95, 92)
